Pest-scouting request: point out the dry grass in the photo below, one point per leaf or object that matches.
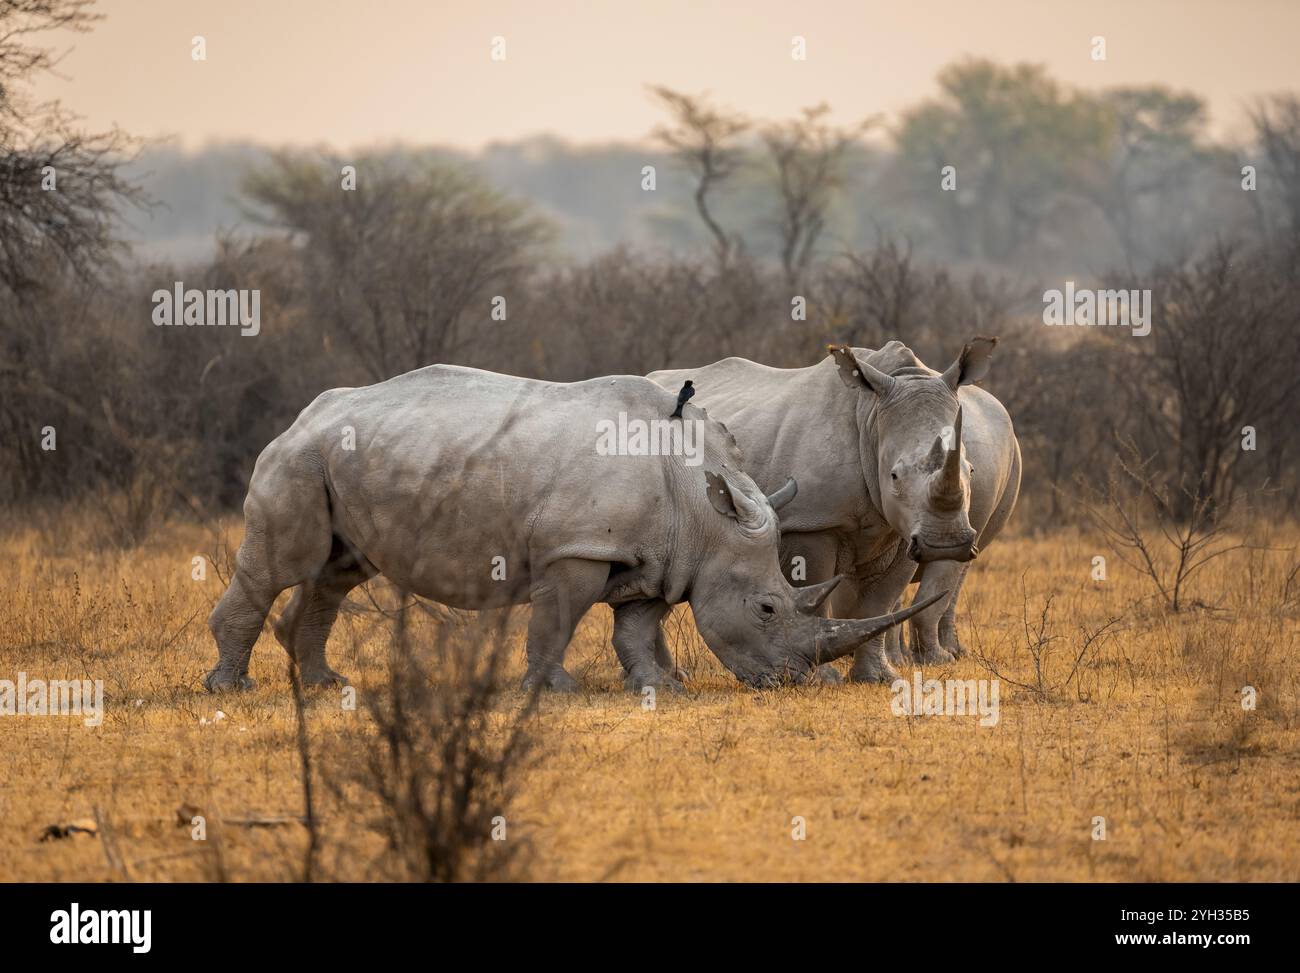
(1147, 731)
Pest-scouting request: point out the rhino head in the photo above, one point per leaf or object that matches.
(759, 626)
(912, 452)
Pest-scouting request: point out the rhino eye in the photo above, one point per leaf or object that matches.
(893, 476)
(768, 609)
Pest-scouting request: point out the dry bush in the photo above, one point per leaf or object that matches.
(1052, 673)
(1291, 587)
(443, 763)
(1166, 530)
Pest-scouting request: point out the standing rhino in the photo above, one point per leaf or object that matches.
(900, 465)
(479, 490)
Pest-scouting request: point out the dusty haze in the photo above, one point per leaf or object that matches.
(407, 70)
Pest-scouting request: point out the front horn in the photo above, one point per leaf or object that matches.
(945, 483)
(837, 637)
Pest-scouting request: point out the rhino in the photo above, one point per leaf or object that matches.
(908, 473)
(479, 490)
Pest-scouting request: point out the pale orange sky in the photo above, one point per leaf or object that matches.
(347, 74)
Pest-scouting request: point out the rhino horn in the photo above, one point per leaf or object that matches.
(784, 495)
(837, 637)
(938, 453)
(945, 482)
(810, 597)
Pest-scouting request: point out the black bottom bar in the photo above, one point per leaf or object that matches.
(938, 922)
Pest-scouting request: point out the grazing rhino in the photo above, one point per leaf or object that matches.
(480, 490)
(901, 466)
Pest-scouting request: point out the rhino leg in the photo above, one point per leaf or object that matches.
(818, 552)
(936, 576)
(304, 626)
(566, 590)
(640, 645)
(948, 623)
(664, 655)
(235, 623)
(286, 542)
(895, 646)
(859, 600)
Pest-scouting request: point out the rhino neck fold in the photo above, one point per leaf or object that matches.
(681, 553)
(869, 449)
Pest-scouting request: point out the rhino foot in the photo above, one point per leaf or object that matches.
(953, 645)
(874, 671)
(638, 679)
(227, 681)
(825, 675)
(936, 655)
(325, 678)
(556, 679)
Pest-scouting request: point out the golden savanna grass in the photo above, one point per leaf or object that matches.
(1148, 731)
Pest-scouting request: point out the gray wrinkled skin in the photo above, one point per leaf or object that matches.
(881, 499)
(453, 469)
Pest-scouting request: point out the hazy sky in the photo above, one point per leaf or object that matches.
(346, 74)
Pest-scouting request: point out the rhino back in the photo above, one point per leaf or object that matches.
(798, 422)
(452, 467)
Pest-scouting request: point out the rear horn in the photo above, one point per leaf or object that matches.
(784, 495)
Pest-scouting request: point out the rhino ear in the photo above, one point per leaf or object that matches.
(731, 502)
(972, 364)
(857, 373)
(719, 495)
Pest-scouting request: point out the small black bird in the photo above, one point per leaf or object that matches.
(687, 391)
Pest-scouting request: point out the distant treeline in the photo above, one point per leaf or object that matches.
(782, 238)
(1046, 180)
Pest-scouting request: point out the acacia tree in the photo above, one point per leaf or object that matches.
(1276, 121)
(396, 268)
(807, 157)
(60, 187)
(706, 140)
(1152, 136)
(60, 192)
(1016, 139)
